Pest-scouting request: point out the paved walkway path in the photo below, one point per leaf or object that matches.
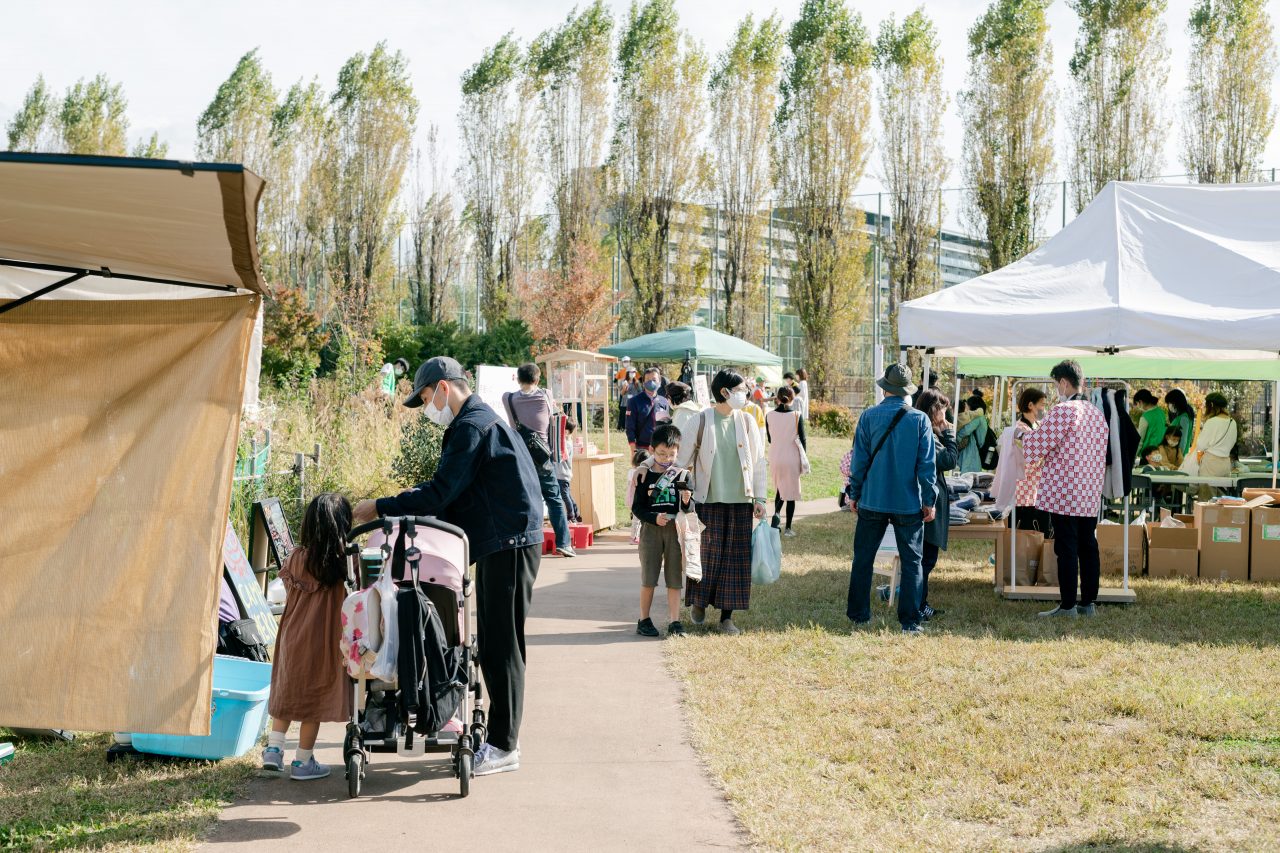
(605, 761)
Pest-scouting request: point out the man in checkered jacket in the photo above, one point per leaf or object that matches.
(1070, 448)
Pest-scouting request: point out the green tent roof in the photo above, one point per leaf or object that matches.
(693, 342)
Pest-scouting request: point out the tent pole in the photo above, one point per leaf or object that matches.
(1013, 544)
(1126, 543)
(36, 294)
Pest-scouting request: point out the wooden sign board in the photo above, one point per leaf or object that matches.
(253, 604)
(270, 531)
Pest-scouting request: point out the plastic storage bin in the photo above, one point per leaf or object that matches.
(240, 689)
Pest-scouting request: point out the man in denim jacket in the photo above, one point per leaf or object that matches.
(486, 484)
(893, 481)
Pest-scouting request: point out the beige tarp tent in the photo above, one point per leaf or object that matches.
(128, 292)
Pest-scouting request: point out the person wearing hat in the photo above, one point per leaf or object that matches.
(486, 484)
(893, 480)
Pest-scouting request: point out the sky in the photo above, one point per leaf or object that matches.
(171, 56)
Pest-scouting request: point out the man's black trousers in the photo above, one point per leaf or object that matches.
(504, 588)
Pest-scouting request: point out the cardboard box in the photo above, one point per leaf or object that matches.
(1264, 560)
(1225, 533)
(1173, 552)
(1250, 494)
(1111, 548)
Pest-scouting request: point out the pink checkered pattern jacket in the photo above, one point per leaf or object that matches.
(1070, 448)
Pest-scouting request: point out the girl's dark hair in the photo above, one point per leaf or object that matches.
(677, 392)
(638, 458)
(976, 402)
(802, 375)
(1145, 397)
(324, 535)
(785, 395)
(930, 399)
(1177, 403)
(726, 380)
(1173, 430)
(570, 425)
(1028, 398)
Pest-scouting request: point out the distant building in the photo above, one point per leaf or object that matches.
(960, 260)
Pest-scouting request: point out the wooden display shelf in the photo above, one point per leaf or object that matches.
(593, 489)
(1106, 595)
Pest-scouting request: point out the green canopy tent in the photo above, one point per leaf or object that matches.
(696, 343)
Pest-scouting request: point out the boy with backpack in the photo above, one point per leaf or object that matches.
(661, 490)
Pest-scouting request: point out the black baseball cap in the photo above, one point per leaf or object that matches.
(433, 370)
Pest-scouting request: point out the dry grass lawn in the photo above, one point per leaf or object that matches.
(59, 796)
(1154, 727)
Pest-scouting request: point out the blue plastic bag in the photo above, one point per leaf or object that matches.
(766, 554)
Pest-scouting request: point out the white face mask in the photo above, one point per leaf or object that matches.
(737, 399)
(442, 417)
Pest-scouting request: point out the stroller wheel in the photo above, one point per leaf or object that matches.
(355, 772)
(463, 769)
(478, 734)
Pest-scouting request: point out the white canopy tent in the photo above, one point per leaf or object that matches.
(1149, 281)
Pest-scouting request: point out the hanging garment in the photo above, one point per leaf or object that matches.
(1122, 442)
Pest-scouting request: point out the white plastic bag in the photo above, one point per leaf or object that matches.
(386, 665)
(766, 554)
(689, 528)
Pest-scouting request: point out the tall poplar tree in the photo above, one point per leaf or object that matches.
(1008, 115)
(570, 71)
(1228, 112)
(1119, 71)
(372, 110)
(744, 99)
(823, 142)
(912, 103)
(496, 120)
(34, 127)
(92, 118)
(656, 168)
(296, 215)
(436, 233)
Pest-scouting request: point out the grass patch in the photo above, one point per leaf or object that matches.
(65, 796)
(1152, 727)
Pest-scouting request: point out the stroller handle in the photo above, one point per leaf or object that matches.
(390, 522)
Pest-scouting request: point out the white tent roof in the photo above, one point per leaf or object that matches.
(1146, 271)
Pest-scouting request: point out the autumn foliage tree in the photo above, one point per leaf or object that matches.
(572, 309)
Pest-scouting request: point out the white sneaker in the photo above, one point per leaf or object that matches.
(489, 760)
(788, 532)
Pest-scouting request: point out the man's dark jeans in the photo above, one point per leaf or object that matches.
(867, 536)
(555, 506)
(1075, 544)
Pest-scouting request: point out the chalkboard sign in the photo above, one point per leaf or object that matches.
(269, 524)
(253, 604)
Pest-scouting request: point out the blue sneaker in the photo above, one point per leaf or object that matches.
(272, 758)
(313, 769)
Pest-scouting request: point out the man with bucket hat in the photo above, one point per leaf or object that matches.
(486, 484)
(893, 480)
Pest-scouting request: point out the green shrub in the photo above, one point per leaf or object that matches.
(830, 419)
(291, 340)
(419, 451)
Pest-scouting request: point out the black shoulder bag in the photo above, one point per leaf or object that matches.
(535, 442)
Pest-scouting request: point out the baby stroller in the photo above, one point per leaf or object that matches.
(434, 703)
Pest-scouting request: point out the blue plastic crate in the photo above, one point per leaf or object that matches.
(240, 689)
